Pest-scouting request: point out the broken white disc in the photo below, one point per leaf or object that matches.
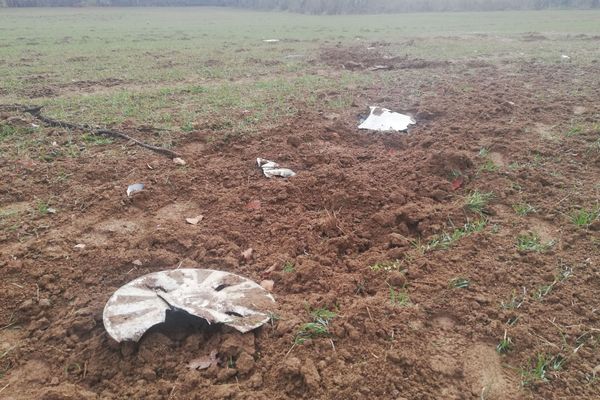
(216, 296)
(382, 119)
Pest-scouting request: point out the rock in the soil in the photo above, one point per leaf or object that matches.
(397, 240)
(311, 376)
(397, 279)
(244, 363)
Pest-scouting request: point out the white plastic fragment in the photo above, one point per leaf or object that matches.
(136, 187)
(215, 296)
(565, 57)
(79, 246)
(195, 220)
(271, 40)
(51, 210)
(179, 161)
(382, 119)
(271, 169)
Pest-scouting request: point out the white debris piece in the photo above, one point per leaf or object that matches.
(179, 161)
(136, 187)
(195, 220)
(271, 169)
(565, 57)
(216, 296)
(382, 119)
(271, 40)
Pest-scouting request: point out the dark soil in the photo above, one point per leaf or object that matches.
(360, 198)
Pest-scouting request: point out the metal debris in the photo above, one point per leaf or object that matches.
(382, 119)
(271, 169)
(136, 187)
(216, 296)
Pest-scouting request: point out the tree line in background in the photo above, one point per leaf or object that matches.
(326, 6)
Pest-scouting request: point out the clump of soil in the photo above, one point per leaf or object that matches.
(365, 58)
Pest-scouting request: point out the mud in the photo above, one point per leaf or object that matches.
(359, 199)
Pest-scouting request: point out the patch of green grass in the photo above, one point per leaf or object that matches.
(543, 291)
(96, 140)
(574, 131)
(399, 297)
(318, 328)
(488, 166)
(460, 283)
(42, 207)
(289, 267)
(6, 131)
(523, 209)
(447, 239)
(515, 301)
(387, 266)
(583, 218)
(477, 201)
(540, 367)
(532, 242)
(505, 344)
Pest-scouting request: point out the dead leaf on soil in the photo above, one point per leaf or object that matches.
(457, 183)
(195, 220)
(204, 362)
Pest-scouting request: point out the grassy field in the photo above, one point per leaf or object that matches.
(171, 67)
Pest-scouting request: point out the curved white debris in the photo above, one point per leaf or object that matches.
(271, 169)
(216, 296)
(382, 119)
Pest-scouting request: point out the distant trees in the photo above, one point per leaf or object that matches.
(327, 6)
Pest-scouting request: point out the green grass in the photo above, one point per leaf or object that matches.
(523, 209)
(540, 367)
(583, 218)
(532, 242)
(445, 240)
(319, 327)
(399, 297)
(514, 302)
(460, 283)
(289, 267)
(477, 201)
(505, 344)
(96, 140)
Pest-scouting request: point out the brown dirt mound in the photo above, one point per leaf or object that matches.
(360, 198)
(364, 58)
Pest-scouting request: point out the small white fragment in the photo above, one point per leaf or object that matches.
(52, 210)
(565, 57)
(79, 246)
(195, 220)
(35, 125)
(149, 166)
(137, 263)
(179, 161)
(268, 284)
(136, 187)
(271, 169)
(382, 119)
(54, 144)
(271, 40)
(247, 254)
